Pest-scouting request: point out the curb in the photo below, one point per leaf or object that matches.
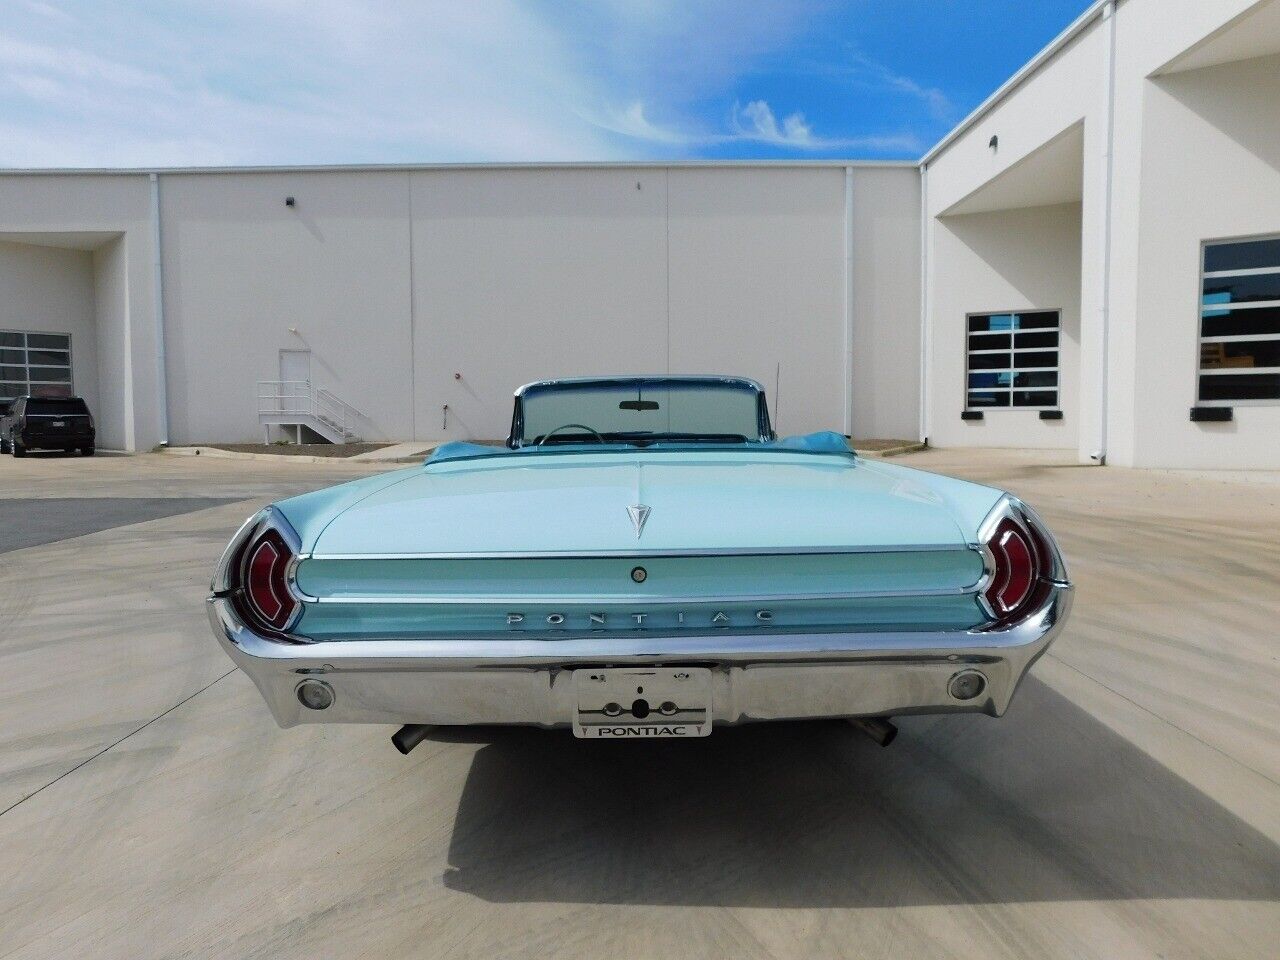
(218, 454)
(891, 451)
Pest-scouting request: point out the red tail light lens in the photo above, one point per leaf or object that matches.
(1017, 567)
(266, 586)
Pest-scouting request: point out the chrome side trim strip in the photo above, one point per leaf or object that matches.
(641, 554)
(595, 600)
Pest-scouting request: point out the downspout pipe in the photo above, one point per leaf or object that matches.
(924, 303)
(848, 301)
(1108, 175)
(157, 293)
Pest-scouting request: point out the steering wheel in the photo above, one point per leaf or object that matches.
(565, 426)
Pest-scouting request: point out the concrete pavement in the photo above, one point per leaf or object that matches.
(1127, 806)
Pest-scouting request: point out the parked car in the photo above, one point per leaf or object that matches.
(47, 423)
(644, 558)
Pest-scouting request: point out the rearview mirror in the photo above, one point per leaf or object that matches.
(638, 405)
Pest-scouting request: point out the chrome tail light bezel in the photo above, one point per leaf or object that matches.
(231, 575)
(1048, 567)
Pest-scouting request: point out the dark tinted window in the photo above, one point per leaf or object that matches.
(1012, 350)
(1245, 255)
(1037, 398)
(56, 407)
(979, 399)
(50, 341)
(1261, 322)
(1247, 386)
(1247, 289)
(53, 358)
(1239, 352)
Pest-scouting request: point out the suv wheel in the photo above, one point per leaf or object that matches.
(4, 445)
(17, 449)
(86, 451)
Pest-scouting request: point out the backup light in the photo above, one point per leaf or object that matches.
(967, 684)
(315, 694)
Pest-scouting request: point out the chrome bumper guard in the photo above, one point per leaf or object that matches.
(510, 680)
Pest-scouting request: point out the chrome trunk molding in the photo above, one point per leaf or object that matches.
(643, 554)
(647, 600)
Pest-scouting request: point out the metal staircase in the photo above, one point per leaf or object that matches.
(298, 404)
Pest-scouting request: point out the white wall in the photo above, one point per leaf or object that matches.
(757, 279)
(1052, 257)
(525, 274)
(241, 268)
(50, 289)
(1011, 260)
(1193, 156)
(886, 303)
(521, 275)
(116, 428)
(1210, 170)
(111, 213)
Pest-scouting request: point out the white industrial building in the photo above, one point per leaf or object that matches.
(1090, 261)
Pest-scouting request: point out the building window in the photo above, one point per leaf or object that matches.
(1013, 360)
(34, 364)
(1240, 323)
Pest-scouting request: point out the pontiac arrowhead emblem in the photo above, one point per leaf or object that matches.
(639, 514)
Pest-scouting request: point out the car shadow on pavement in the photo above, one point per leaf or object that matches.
(1047, 804)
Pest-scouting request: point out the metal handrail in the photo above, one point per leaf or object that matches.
(338, 410)
(299, 398)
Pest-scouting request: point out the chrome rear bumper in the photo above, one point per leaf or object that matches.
(505, 680)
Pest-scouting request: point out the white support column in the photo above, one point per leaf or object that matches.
(1108, 172)
(157, 284)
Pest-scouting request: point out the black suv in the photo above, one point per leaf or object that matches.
(48, 423)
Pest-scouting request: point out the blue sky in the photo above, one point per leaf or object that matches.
(174, 82)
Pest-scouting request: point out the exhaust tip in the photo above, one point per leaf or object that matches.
(879, 729)
(409, 736)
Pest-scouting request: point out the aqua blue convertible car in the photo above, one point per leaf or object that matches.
(644, 558)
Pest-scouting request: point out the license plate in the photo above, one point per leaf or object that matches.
(642, 702)
(58, 423)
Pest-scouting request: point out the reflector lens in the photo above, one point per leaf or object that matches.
(266, 583)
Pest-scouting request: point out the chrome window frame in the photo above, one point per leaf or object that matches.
(27, 382)
(1013, 368)
(1199, 370)
(515, 440)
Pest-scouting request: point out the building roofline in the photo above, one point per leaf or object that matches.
(1077, 27)
(414, 167)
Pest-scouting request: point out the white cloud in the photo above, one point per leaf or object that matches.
(753, 123)
(756, 121)
(334, 81)
(867, 72)
(279, 81)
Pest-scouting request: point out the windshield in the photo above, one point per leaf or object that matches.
(56, 408)
(639, 412)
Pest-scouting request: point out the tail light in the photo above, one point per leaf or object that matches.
(266, 585)
(1022, 563)
(255, 572)
(1015, 568)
